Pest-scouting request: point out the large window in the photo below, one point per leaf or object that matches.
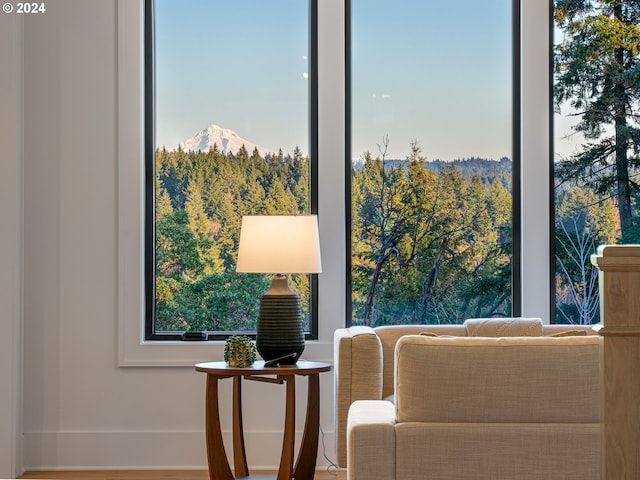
(230, 131)
(432, 124)
(597, 144)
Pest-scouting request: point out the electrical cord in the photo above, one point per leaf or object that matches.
(332, 468)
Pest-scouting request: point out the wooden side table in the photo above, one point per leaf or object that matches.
(305, 465)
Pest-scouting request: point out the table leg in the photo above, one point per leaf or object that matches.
(306, 463)
(216, 456)
(286, 460)
(239, 456)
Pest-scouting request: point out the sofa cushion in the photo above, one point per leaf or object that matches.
(389, 336)
(504, 451)
(512, 379)
(570, 333)
(371, 440)
(504, 327)
(558, 328)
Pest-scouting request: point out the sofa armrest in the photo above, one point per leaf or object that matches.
(358, 376)
(371, 440)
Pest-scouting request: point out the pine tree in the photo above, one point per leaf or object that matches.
(499, 204)
(163, 204)
(163, 200)
(203, 228)
(597, 69)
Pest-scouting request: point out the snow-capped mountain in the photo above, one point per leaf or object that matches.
(226, 139)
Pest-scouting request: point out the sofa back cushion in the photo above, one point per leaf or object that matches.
(389, 336)
(560, 330)
(504, 327)
(514, 379)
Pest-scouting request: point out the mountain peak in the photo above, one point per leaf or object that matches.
(226, 140)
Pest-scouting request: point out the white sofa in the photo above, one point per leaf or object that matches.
(365, 369)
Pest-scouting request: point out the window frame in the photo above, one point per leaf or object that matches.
(516, 157)
(131, 348)
(150, 333)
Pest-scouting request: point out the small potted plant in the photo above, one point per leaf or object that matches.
(239, 351)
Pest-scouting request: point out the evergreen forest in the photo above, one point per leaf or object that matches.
(431, 241)
(430, 244)
(200, 198)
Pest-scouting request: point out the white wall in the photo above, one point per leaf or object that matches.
(80, 409)
(10, 244)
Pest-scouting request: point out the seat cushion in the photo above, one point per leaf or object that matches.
(497, 451)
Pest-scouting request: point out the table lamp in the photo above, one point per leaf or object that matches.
(279, 244)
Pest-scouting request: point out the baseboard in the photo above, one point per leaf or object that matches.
(149, 450)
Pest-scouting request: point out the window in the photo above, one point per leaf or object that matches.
(597, 144)
(231, 128)
(531, 262)
(431, 160)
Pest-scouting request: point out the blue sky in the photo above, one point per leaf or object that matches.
(566, 140)
(434, 71)
(437, 72)
(240, 64)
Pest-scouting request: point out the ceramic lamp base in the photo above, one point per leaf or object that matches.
(279, 330)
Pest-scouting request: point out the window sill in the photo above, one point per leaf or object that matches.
(187, 354)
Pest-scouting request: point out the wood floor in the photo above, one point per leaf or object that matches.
(152, 475)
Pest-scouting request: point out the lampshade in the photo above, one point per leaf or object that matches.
(279, 244)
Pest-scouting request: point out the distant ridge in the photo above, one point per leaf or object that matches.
(486, 169)
(225, 139)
